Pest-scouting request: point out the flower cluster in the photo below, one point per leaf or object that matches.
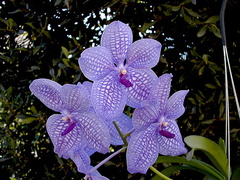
(121, 74)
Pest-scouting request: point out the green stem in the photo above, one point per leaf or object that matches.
(159, 173)
(120, 133)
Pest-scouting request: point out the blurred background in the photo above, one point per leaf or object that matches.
(44, 39)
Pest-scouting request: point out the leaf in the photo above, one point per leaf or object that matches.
(6, 58)
(9, 91)
(47, 34)
(33, 109)
(214, 29)
(57, 2)
(192, 101)
(221, 144)
(28, 120)
(192, 13)
(36, 49)
(65, 51)
(4, 159)
(187, 18)
(65, 61)
(52, 73)
(205, 58)
(212, 19)
(210, 86)
(175, 8)
(202, 31)
(211, 149)
(31, 25)
(200, 71)
(208, 121)
(10, 23)
(193, 163)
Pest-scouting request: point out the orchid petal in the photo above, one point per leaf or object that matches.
(48, 92)
(174, 107)
(142, 80)
(89, 150)
(95, 175)
(171, 146)
(161, 90)
(117, 38)
(125, 125)
(88, 86)
(142, 150)
(144, 53)
(144, 116)
(81, 159)
(63, 144)
(99, 177)
(75, 97)
(108, 97)
(96, 62)
(95, 130)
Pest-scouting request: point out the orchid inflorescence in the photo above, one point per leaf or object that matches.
(91, 114)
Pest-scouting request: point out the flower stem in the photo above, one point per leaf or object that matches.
(120, 133)
(107, 159)
(159, 173)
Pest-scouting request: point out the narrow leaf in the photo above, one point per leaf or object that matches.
(198, 165)
(211, 149)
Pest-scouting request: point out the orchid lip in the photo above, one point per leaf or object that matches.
(68, 129)
(123, 79)
(166, 134)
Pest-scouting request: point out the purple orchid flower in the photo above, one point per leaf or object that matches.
(156, 127)
(78, 126)
(121, 71)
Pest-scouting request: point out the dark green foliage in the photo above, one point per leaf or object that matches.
(53, 33)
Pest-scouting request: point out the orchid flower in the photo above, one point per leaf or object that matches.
(77, 125)
(120, 69)
(156, 127)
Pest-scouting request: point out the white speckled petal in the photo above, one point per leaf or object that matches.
(142, 150)
(63, 144)
(117, 38)
(96, 62)
(75, 97)
(108, 97)
(160, 93)
(88, 86)
(144, 53)
(144, 116)
(175, 108)
(48, 92)
(125, 125)
(142, 80)
(171, 146)
(95, 130)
